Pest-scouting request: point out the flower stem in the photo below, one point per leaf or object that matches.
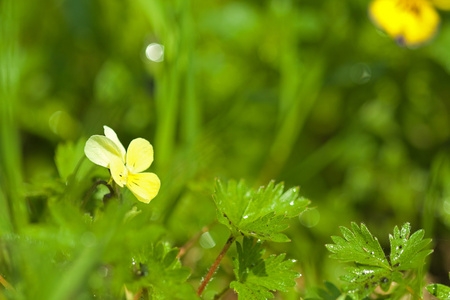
(215, 265)
(92, 189)
(6, 284)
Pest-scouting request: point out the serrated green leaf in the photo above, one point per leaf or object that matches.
(373, 268)
(254, 293)
(440, 291)
(261, 214)
(364, 280)
(256, 277)
(358, 246)
(248, 259)
(159, 270)
(408, 252)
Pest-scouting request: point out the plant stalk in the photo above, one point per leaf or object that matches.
(215, 265)
(6, 284)
(92, 189)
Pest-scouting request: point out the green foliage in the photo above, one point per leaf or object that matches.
(68, 156)
(408, 252)
(158, 270)
(440, 291)
(262, 213)
(358, 246)
(327, 103)
(373, 268)
(257, 277)
(331, 292)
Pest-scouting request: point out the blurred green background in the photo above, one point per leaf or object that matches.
(306, 92)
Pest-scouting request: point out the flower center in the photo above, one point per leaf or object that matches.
(124, 177)
(412, 6)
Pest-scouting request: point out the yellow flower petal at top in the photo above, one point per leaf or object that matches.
(100, 150)
(139, 155)
(125, 166)
(145, 186)
(110, 134)
(442, 4)
(410, 22)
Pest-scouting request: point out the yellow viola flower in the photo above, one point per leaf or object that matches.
(409, 22)
(126, 166)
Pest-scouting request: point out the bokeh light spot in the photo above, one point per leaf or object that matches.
(207, 241)
(155, 52)
(310, 217)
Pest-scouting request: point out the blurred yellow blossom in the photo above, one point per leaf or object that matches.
(126, 166)
(409, 22)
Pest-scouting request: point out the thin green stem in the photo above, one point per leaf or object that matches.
(12, 204)
(299, 86)
(92, 189)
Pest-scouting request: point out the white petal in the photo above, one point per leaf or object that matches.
(101, 150)
(110, 134)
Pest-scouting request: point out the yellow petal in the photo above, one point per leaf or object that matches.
(411, 22)
(139, 155)
(442, 4)
(145, 186)
(101, 150)
(119, 172)
(110, 134)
